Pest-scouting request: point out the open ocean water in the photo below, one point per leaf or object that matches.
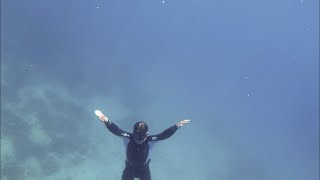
(245, 72)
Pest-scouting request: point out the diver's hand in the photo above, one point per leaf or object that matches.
(101, 116)
(183, 122)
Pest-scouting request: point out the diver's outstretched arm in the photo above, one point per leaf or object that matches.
(183, 122)
(101, 116)
(112, 127)
(170, 131)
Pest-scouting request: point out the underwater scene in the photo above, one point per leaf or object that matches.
(221, 90)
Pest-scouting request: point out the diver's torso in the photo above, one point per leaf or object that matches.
(137, 153)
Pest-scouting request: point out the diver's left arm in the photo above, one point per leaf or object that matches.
(170, 131)
(183, 122)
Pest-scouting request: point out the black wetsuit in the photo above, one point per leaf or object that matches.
(137, 162)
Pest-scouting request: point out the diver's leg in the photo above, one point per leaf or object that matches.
(128, 174)
(145, 174)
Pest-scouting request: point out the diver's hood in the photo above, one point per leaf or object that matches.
(140, 131)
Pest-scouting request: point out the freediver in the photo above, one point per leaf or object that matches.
(138, 146)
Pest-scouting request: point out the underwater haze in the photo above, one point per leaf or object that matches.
(246, 73)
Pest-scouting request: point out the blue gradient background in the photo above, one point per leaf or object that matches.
(245, 72)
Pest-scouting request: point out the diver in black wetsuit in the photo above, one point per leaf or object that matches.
(138, 145)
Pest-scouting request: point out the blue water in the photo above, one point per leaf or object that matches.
(245, 72)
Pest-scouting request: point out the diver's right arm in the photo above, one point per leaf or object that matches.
(101, 116)
(112, 127)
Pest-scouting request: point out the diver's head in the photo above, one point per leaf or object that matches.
(140, 132)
